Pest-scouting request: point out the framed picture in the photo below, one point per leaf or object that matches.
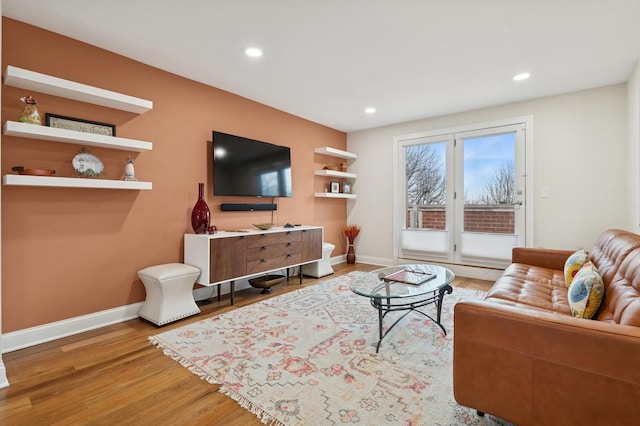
(346, 188)
(335, 187)
(79, 125)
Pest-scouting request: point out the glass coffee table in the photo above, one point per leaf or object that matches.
(390, 296)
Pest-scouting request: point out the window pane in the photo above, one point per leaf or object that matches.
(489, 184)
(426, 186)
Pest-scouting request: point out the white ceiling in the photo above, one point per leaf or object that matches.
(326, 60)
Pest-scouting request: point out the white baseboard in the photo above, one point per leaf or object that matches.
(45, 333)
(370, 260)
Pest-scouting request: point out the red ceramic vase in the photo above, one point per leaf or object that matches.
(200, 215)
(351, 254)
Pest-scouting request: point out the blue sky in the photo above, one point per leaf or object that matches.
(483, 156)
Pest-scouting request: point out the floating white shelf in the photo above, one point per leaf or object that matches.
(31, 131)
(333, 152)
(30, 80)
(69, 182)
(335, 173)
(334, 195)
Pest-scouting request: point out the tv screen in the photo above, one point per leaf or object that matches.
(247, 167)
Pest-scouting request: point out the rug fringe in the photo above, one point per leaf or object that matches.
(245, 403)
(248, 405)
(184, 362)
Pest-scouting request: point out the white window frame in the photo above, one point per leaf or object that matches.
(399, 213)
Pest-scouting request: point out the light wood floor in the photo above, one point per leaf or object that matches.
(114, 376)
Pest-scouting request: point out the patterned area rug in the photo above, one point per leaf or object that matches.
(308, 358)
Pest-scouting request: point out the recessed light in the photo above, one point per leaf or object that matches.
(253, 52)
(370, 110)
(521, 76)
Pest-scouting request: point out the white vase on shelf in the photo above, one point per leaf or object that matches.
(129, 171)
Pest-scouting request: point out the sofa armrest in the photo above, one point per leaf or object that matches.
(546, 258)
(534, 367)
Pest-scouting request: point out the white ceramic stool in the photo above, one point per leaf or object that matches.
(169, 292)
(323, 266)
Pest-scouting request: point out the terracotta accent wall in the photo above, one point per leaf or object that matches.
(68, 252)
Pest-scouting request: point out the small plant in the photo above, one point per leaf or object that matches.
(351, 232)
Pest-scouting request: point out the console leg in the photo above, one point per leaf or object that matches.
(232, 290)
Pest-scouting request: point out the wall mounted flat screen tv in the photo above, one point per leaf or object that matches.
(247, 167)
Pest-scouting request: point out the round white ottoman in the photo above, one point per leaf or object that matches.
(169, 290)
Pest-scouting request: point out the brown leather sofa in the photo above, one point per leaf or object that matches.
(521, 356)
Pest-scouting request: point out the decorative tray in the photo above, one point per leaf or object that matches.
(263, 226)
(33, 172)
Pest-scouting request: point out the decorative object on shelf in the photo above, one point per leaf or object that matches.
(213, 229)
(200, 215)
(129, 171)
(343, 167)
(351, 232)
(263, 226)
(346, 188)
(88, 165)
(29, 113)
(33, 172)
(266, 282)
(335, 168)
(79, 125)
(335, 186)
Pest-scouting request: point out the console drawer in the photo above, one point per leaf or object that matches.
(267, 264)
(276, 250)
(267, 239)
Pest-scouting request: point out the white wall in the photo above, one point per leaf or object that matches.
(580, 149)
(633, 158)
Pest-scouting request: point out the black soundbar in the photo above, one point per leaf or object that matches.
(248, 207)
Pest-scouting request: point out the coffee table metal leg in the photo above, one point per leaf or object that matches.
(382, 311)
(377, 303)
(448, 290)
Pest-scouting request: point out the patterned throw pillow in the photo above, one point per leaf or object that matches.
(573, 265)
(586, 292)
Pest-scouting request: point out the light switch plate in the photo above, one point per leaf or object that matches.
(544, 192)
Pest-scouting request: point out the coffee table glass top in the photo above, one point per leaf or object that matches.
(371, 284)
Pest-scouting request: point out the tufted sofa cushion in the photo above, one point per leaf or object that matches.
(531, 287)
(621, 303)
(610, 249)
(616, 254)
